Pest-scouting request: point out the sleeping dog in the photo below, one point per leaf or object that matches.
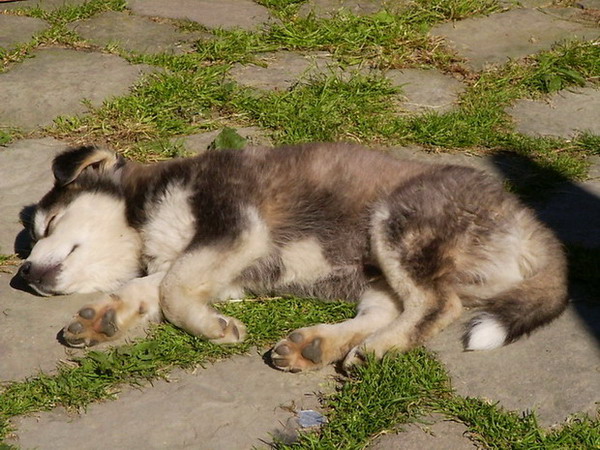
(412, 243)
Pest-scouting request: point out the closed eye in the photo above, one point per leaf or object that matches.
(48, 230)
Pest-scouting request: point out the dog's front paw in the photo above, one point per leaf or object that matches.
(301, 350)
(92, 325)
(228, 331)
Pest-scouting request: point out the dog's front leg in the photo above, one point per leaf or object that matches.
(135, 303)
(209, 273)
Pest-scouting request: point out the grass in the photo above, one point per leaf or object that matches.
(5, 137)
(7, 262)
(326, 109)
(57, 33)
(386, 39)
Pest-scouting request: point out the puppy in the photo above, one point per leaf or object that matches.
(412, 243)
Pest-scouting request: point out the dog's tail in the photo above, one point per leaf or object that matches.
(532, 303)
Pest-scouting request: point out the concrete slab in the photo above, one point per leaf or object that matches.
(235, 404)
(25, 176)
(56, 81)
(199, 143)
(562, 114)
(16, 30)
(417, 153)
(134, 33)
(281, 70)
(28, 324)
(426, 90)
(509, 35)
(227, 14)
(588, 4)
(325, 9)
(28, 329)
(432, 433)
(525, 3)
(554, 372)
(594, 169)
(46, 5)
(573, 212)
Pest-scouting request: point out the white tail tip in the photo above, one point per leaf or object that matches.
(485, 333)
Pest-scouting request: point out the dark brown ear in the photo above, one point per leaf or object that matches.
(68, 165)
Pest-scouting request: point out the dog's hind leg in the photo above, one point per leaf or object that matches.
(208, 273)
(416, 255)
(134, 304)
(425, 314)
(319, 345)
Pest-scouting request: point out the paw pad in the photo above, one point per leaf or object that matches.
(91, 326)
(298, 352)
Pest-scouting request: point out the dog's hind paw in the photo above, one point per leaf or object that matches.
(299, 351)
(92, 325)
(355, 357)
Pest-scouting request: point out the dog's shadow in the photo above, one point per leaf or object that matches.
(572, 211)
(22, 247)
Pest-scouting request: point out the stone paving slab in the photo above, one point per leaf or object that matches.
(509, 35)
(28, 324)
(588, 4)
(525, 3)
(325, 9)
(16, 30)
(47, 5)
(426, 90)
(563, 114)
(573, 212)
(432, 433)
(283, 69)
(554, 372)
(416, 153)
(24, 177)
(227, 14)
(55, 81)
(238, 403)
(28, 330)
(134, 33)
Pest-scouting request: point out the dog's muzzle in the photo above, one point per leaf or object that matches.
(40, 277)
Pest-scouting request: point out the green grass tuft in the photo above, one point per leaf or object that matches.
(377, 397)
(326, 109)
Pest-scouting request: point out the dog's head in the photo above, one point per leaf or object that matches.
(83, 242)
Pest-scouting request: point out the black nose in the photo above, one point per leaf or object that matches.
(25, 270)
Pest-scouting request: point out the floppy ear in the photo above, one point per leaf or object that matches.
(68, 165)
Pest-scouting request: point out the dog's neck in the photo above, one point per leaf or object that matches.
(137, 180)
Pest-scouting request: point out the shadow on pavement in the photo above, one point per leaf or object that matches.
(572, 210)
(22, 248)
